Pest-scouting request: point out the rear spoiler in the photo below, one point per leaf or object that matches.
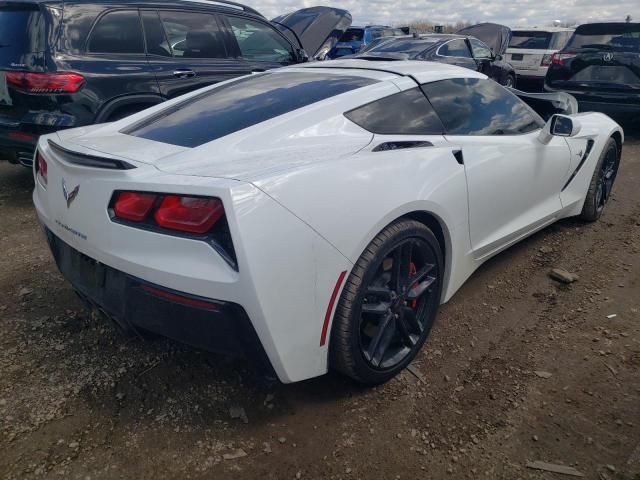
(547, 104)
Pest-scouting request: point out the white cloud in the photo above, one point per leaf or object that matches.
(508, 12)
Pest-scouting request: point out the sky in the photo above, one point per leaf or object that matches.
(508, 12)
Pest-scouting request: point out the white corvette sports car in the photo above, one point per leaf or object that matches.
(313, 217)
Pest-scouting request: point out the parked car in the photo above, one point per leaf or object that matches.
(460, 50)
(530, 50)
(66, 64)
(357, 38)
(600, 66)
(259, 215)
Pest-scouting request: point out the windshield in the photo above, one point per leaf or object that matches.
(532, 40)
(409, 45)
(352, 35)
(620, 37)
(21, 31)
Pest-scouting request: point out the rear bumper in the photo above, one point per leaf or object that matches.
(538, 74)
(212, 325)
(17, 147)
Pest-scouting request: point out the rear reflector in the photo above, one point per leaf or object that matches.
(133, 206)
(42, 168)
(22, 136)
(43, 83)
(332, 301)
(189, 214)
(177, 298)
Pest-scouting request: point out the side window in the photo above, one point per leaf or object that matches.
(193, 35)
(473, 106)
(258, 41)
(117, 32)
(455, 48)
(405, 113)
(480, 50)
(157, 43)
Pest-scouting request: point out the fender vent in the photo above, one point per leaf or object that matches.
(587, 151)
(385, 147)
(89, 160)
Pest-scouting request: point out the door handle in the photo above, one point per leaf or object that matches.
(184, 73)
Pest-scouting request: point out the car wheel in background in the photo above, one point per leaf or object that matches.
(510, 82)
(388, 304)
(602, 182)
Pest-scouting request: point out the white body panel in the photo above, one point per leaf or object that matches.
(304, 194)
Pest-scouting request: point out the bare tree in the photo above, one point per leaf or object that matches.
(628, 19)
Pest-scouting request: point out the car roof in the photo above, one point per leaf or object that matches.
(421, 71)
(542, 29)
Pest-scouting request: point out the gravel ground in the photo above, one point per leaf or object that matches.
(519, 368)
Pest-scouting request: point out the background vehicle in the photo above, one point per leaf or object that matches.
(73, 63)
(192, 219)
(600, 66)
(460, 50)
(357, 38)
(530, 50)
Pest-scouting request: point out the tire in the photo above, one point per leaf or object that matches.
(602, 181)
(510, 81)
(358, 338)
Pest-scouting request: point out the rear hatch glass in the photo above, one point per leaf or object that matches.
(21, 32)
(623, 37)
(530, 40)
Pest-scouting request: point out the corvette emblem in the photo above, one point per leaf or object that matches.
(69, 196)
(607, 57)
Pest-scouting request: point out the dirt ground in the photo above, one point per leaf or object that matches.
(518, 369)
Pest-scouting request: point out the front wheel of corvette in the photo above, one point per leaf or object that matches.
(388, 304)
(602, 182)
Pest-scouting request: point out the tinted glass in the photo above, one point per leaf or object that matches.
(621, 37)
(21, 31)
(480, 50)
(193, 35)
(559, 40)
(409, 45)
(455, 48)
(352, 35)
(117, 32)
(258, 41)
(406, 113)
(531, 39)
(472, 106)
(157, 43)
(241, 104)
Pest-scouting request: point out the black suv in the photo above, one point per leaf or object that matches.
(66, 64)
(600, 66)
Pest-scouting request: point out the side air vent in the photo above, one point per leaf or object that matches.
(89, 160)
(586, 154)
(385, 147)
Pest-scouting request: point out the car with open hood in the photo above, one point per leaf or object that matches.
(356, 39)
(453, 49)
(66, 64)
(314, 216)
(600, 66)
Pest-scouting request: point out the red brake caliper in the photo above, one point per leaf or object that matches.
(412, 273)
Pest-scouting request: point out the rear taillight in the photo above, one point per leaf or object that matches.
(559, 58)
(546, 60)
(189, 214)
(36, 82)
(41, 168)
(133, 206)
(197, 215)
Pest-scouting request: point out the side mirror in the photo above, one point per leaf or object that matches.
(559, 126)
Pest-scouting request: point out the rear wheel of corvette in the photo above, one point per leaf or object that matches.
(388, 304)
(602, 182)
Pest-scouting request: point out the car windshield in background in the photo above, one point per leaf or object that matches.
(242, 104)
(620, 37)
(405, 46)
(532, 40)
(21, 31)
(352, 35)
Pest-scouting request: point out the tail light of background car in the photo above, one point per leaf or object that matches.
(546, 60)
(201, 218)
(559, 58)
(41, 168)
(45, 83)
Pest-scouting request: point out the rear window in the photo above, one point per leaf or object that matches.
(352, 35)
(531, 40)
(21, 31)
(404, 46)
(617, 37)
(242, 104)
